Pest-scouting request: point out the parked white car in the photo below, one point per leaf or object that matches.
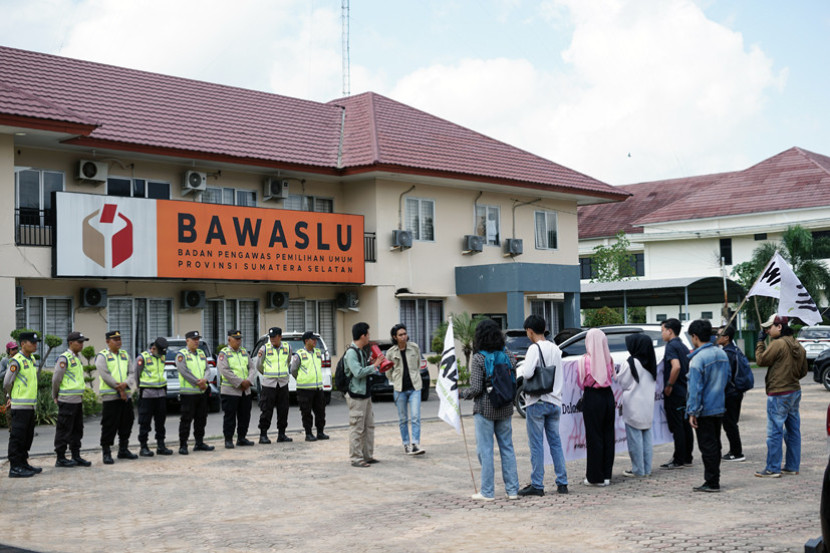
(295, 343)
(814, 339)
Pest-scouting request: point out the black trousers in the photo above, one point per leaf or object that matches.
(312, 401)
(708, 441)
(684, 441)
(194, 408)
(598, 411)
(270, 398)
(21, 434)
(117, 418)
(69, 429)
(730, 424)
(151, 409)
(237, 413)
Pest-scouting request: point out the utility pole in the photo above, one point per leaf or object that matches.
(344, 20)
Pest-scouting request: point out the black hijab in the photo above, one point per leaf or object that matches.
(640, 347)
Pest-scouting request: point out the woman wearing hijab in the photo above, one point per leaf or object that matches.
(636, 378)
(596, 369)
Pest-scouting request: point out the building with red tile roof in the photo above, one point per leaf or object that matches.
(156, 205)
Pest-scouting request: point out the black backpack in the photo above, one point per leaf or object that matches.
(500, 382)
(341, 379)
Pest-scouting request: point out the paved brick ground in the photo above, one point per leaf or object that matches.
(306, 497)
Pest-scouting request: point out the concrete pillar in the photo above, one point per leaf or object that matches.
(572, 317)
(515, 309)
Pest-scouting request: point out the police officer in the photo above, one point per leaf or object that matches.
(272, 363)
(117, 377)
(191, 363)
(237, 370)
(307, 369)
(68, 392)
(20, 384)
(152, 396)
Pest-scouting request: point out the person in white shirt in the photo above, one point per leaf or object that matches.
(636, 377)
(543, 411)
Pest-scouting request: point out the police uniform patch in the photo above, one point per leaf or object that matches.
(13, 367)
(139, 361)
(180, 357)
(62, 363)
(221, 356)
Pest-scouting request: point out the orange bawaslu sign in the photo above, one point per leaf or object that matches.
(209, 241)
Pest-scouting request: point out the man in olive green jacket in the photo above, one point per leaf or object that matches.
(405, 377)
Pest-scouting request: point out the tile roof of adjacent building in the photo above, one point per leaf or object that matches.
(141, 111)
(793, 179)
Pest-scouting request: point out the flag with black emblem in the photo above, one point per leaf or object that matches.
(778, 280)
(447, 385)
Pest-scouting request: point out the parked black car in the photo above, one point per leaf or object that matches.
(821, 369)
(380, 386)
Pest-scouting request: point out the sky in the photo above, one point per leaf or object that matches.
(622, 90)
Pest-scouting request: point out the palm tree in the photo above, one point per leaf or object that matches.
(802, 252)
(464, 330)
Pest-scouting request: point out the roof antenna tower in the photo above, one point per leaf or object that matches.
(344, 19)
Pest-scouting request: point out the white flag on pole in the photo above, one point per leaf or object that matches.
(447, 385)
(779, 281)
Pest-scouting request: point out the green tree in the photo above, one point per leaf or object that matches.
(613, 262)
(602, 317)
(802, 252)
(464, 330)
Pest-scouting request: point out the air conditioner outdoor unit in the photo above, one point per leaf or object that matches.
(473, 243)
(277, 300)
(513, 246)
(92, 171)
(194, 181)
(401, 239)
(347, 301)
(193, 299)
(275, 189)
(93, 297)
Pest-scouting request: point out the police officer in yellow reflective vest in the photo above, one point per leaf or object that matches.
(191, 363)
(117, 376)
(272, 363)
(238, 372)
(68, 392)
(152, 396)
(20, 384)
(307, 369)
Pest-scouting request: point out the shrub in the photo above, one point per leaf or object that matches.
(92, 405)
(46, 410)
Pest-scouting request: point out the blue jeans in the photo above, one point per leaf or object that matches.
(485, 429)
(639, 449)
(409, 410)
(543, 420)
(783, 422)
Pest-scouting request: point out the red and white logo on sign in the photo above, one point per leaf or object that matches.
(108, 237)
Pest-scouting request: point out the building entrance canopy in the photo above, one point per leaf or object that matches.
(668, 291)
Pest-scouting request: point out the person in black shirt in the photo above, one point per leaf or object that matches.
(675, 369)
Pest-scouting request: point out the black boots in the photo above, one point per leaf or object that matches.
(80, 461)
(263, 438)
(201, 446)
(183, 449)
(284, 438)
(144, 451)
(107, 456)
(63, 462)
(161, 449)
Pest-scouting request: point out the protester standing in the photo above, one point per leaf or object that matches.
(787, 364)
(734, 397)
(596, 370)
(637, 378)
(359, 398)
(68, 392)
(675, 369)
(543, 411)
(405, 376)
(488, 343)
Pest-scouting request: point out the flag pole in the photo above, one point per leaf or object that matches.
(467, 449)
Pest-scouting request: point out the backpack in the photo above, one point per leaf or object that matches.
(341, 379)
(744, 379)
(501, 386)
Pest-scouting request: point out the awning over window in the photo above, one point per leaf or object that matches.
(668, 291)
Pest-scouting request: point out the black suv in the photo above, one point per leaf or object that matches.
(378, 383)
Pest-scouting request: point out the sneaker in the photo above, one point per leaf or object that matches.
(788, 472)
(689, 464)
(671, 465)
(479, 497)
(417, 450)
(606, 482)
(597, 484)
(562, 488)
(530, 490)
(707, 488)
(629, 474)
(512, 497)
(732, 457)
(407, 449)
(767, 474)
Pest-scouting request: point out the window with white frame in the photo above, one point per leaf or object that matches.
(299, 202)
(140, 321)
(548, 310)
(546, 232)
(422, 317)
(487, 224)
(47, 315)
(420, 218)
(229, 196)
(138, 188)
(33, 194)
(220, 316)
(314, 315)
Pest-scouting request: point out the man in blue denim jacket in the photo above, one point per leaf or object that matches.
(705, 403)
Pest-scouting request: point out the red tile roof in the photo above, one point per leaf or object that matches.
(793, 179)
(141, 111)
